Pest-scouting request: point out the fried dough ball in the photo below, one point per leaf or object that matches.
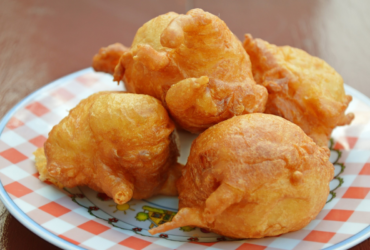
(107, 58)
(302, 88)
(252, 176)
(118, 143)
(195, 65)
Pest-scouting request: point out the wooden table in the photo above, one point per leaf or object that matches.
(42, 40)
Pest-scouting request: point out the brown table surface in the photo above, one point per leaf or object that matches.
(42, 40)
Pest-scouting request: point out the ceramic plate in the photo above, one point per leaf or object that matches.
(81, 218)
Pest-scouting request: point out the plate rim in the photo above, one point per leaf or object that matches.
(64, 244)
(365, 233)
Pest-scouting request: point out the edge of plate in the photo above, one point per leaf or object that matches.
(365, 233)
(351, 91)
(56, 240)
(5, 198)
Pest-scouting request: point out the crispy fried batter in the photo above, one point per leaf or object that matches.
(107, 58)
(118, 143)
(252, 176)
(41, 164)
(195, 65)
(302, 88)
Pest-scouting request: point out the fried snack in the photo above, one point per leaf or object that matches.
(302, 88)
(195, 65)
(107, 58)
(118, 143)
(252, 176)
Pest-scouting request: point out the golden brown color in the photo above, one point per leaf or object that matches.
(107, 58)
(252, 176)
(322, 28)
(118, 143)
(302, 88)
(195, 65)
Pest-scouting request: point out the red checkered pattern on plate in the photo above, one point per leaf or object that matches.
(347, 214)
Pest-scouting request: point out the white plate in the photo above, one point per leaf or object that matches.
(81, 218)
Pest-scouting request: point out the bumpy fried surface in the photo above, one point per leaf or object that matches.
(118, 143)
(302, 88)
(107, 58)
(41, 164)
(195, 65)
(252, 176)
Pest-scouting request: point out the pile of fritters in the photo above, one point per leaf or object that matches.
(249, 174)
(194, 64)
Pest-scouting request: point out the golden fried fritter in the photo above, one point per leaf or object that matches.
(118, 143)
(107, 58)
(302, 88)
(195, 65)
(252, 176)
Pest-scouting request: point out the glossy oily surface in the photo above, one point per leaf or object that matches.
(59, 37)
(252, 176)
(117, 143)
(302, 88)
(91, 220)
(195, 65)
